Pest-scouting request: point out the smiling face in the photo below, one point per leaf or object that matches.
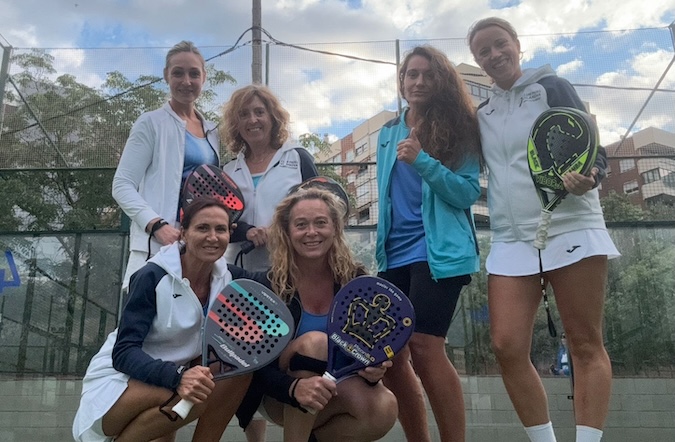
(311, 229)
(255, 123)
(208, 235)
(418, 81)
(498, 54)
(185, 76)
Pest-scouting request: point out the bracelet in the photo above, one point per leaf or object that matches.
(294, 402)
(156, 226)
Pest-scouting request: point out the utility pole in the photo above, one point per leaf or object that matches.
(256, 63)
(4, 72)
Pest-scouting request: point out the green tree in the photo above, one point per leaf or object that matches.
(617, 207)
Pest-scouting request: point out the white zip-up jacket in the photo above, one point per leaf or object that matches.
(291, 165)
(505, 122)
(159, 332)
(148, 178)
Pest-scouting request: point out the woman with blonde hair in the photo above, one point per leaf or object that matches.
(311, 260)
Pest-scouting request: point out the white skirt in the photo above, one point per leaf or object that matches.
(520, 258)
(94, 404)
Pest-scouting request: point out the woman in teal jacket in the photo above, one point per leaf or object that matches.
(427, 174)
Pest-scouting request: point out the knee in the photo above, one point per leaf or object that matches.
(585, 347)
(379, 413)
(313, 344)
(507, 349)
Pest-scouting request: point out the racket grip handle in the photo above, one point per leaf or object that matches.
(328, 376)
(542, 230)
(247, 246)
(182, 408)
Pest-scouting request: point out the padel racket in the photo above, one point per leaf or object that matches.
(246, 328)
(370, 321)
(321, 182)
(327, 183)
(211, 181)
(562, 140)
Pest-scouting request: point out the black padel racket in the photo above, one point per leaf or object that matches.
(370, 321)
(246, 328)
(211, 181)
(327, 183)
(562, 140)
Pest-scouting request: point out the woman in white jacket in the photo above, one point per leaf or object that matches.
(164, 145)
(577, 250)
(147, 365)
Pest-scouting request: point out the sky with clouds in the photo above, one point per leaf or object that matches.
(592, 43)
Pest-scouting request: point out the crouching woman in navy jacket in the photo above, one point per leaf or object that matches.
(144, 367)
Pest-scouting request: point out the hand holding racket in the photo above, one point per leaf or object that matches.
(246, 328)
(562, 140)
(370, 321)
(211, 181)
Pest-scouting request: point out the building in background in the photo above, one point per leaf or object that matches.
(642, 166)
(361, 147)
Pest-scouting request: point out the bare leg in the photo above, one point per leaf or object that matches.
(255, 430)
(513, 303)
(221, 406)
(136, 415)
(581, 311)
(403, 382)
(442, 385)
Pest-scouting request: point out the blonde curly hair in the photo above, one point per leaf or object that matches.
(229, 126)
(284, 272)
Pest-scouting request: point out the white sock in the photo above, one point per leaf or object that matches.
(588, 434)
(541, 433)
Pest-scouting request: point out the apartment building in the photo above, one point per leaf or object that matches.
(642, 166)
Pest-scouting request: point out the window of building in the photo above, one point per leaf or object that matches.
(625, 165)
(651, 175)
(608, 171)
(364, 215)
(361, 149)
(630, 187)
(349, 156)
(362, 190)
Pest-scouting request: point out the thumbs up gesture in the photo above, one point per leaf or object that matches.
(408, 148)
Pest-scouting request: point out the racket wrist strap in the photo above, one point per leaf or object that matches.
(156, 226)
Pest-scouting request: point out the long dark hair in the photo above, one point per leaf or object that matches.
(448, 130)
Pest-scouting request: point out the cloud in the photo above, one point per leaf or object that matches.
(339, 93)
(567, 68)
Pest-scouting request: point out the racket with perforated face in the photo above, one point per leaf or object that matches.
(370, 322)
(326, 183)
(210, 181)
(246, 328)
(562, 140)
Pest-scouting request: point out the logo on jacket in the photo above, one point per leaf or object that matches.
(383, 145)
(572, 249)
(491, 111)
(291, 164)
(530, 96)
(176, 295)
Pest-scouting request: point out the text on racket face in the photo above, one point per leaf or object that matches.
(231, 353)
(354, 350)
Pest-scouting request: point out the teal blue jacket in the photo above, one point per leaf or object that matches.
(447, 196)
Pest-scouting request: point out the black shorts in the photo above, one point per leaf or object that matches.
(434, 301)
